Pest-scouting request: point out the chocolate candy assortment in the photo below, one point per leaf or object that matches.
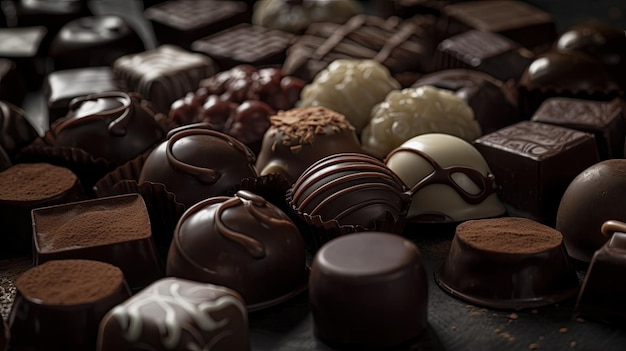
(317, 175)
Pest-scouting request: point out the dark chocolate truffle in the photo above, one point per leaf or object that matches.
(508, 263)
(179, 315)
(301, 136)
(59, 304)
(368, 291)
(241, 242)
(596, 195)
(114, 229)
(196, 163)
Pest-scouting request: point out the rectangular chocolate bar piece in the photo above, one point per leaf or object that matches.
(603, 119)
(533, 164)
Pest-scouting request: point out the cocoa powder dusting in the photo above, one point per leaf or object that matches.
(509, 235)
(35, 181)
(301, 125)
(82, 281)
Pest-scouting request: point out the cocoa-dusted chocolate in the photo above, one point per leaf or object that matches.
(508, 263)
(376, 272)
(114, 229)
(605, 120)
(301, 136)
(495, 103)
(534, 163)
(177, 314)
(24, 187)
(241, 242)
(115, 126)
(163, 74)
(196, 163)
(16, 130)
(596, 195)
(59, 304)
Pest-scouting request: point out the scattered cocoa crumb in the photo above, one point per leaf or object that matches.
(533, 346)
(513, 316)
(453, 328)
(506, 336)
(494, 314)
(563, 330)
(580, 320)
(541, 337)
(572, 344)
(534, 311)
(475, 314)
(482, 310)
(469, 307)
(497, 330)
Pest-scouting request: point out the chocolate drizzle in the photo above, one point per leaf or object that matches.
(121, 114)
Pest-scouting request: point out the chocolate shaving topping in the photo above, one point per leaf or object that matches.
(299, 126)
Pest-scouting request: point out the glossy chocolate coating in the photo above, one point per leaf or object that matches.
(495, 104)
(61, 87)
(351, 189)
(596, 195)
(521, 22)
(12, 84)
(114, 229)
(301, 136)
(52, 14)
(182, 22)
(54, 313)
(600, 298)
(94, 41)
(22, 45)
(241, 242)
(376, 272)
(605, 120)
(177, 314)
(16, 131)
(115, 126)
(164, 74)
(245, 44)
(24, 187)
(486, 52)
(508, 263)
(196, 163)
(534, 163)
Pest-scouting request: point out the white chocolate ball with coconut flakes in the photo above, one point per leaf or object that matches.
(350, 87)
(411, 112)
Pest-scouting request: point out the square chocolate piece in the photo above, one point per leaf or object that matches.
(163, 75)
(60, 87)
(603, 119)
(245, 44)
(24, 45)
(183, 21)
(487, 52)
(519, 21)
(533, 164)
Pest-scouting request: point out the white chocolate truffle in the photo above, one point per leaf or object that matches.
(295, 18)
(415, 111)
(450, 180)
(350, 87)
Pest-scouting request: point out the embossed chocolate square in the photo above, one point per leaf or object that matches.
(487, 52)
(604, 119)
(534, 163)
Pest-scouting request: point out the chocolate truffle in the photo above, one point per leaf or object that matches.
(450, 180)
(114, 229)
(413, 111)
(495, 104)
(534, 163)
(245, 44)
(94, 41)
(59, 304)
(115, 126)
(380, 273)
(299, 137)
(596, 195)
(487, 52)
(350, 87)
(196, 163)
(164, 74)
(16, 130)
(182, 22)
(508, 263)
(24, 187)
(296, 16)
(241, 242)
(61, 87)
(600, 298)
(605, 120)
(177, 314)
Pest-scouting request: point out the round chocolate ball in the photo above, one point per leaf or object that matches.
(196, 163)
(244, 243)
(368, 290)
(596, 195)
